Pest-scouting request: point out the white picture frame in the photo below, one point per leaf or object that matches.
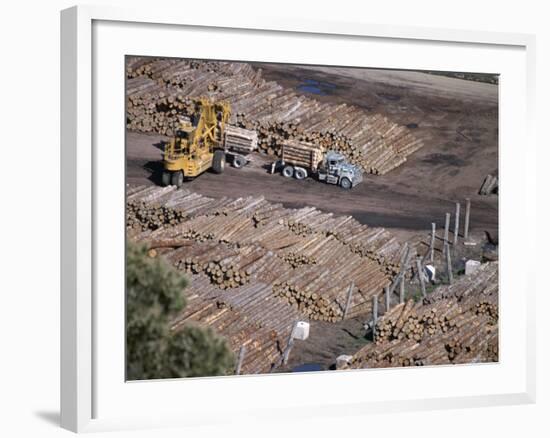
(86, 196)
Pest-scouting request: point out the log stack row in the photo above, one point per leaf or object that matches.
(223, 264)
(454, 324)
(142, 216)
(247, 316)
(295, 259)
(159, 92)
(139, 66)
(310, 304)
(292, 250)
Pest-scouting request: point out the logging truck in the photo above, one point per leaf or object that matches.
(301, 159)
(205, 141)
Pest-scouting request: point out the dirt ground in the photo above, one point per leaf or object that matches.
(458, 122)
(326, 342)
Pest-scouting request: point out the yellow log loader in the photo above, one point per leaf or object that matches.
(198, 144)
(204, 142)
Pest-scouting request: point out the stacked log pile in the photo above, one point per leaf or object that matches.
(489, 186)
(313, 305)
(308, 257)
(257, 267)
(159, 92)
(248, 316)
(296, 259)
(139, 66)
(227, 265)
(142, 216)
(455, 324)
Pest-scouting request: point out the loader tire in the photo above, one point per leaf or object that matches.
(218, 162)
(166, 178)
(177, 178)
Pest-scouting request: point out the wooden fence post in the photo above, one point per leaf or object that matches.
(290, 344)
(421, 277)
(405, 255)
(242, 352)
(449, 264)
(403, 262)
(457, 222)
(447, 224)
(467, 219)
(348, 301)
(432, 243)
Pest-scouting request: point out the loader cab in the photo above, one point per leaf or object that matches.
(182, 136)
(196, 144)
(195, 119)
(183, 139)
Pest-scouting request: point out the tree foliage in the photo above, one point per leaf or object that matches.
(196, 352)
(154, 295)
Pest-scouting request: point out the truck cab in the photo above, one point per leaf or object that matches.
(336, 170)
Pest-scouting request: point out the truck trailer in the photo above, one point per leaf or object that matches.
(301, 160)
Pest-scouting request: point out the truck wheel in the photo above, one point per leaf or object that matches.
(300, 174)
(288, 171)
(166, 178)
(218, 162)
(345, 183)
(239, 161)
(177, 178)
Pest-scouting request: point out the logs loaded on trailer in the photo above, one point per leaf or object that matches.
(240, 140)
(301, 159)
(160, 91)
(456, 323)
(301, 154)
(239, 143)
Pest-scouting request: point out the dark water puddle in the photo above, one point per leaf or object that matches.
(316, 87)
(310, 89)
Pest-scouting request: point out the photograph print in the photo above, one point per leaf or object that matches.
(287, 218)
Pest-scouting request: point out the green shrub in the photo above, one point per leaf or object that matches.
(154, 295)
